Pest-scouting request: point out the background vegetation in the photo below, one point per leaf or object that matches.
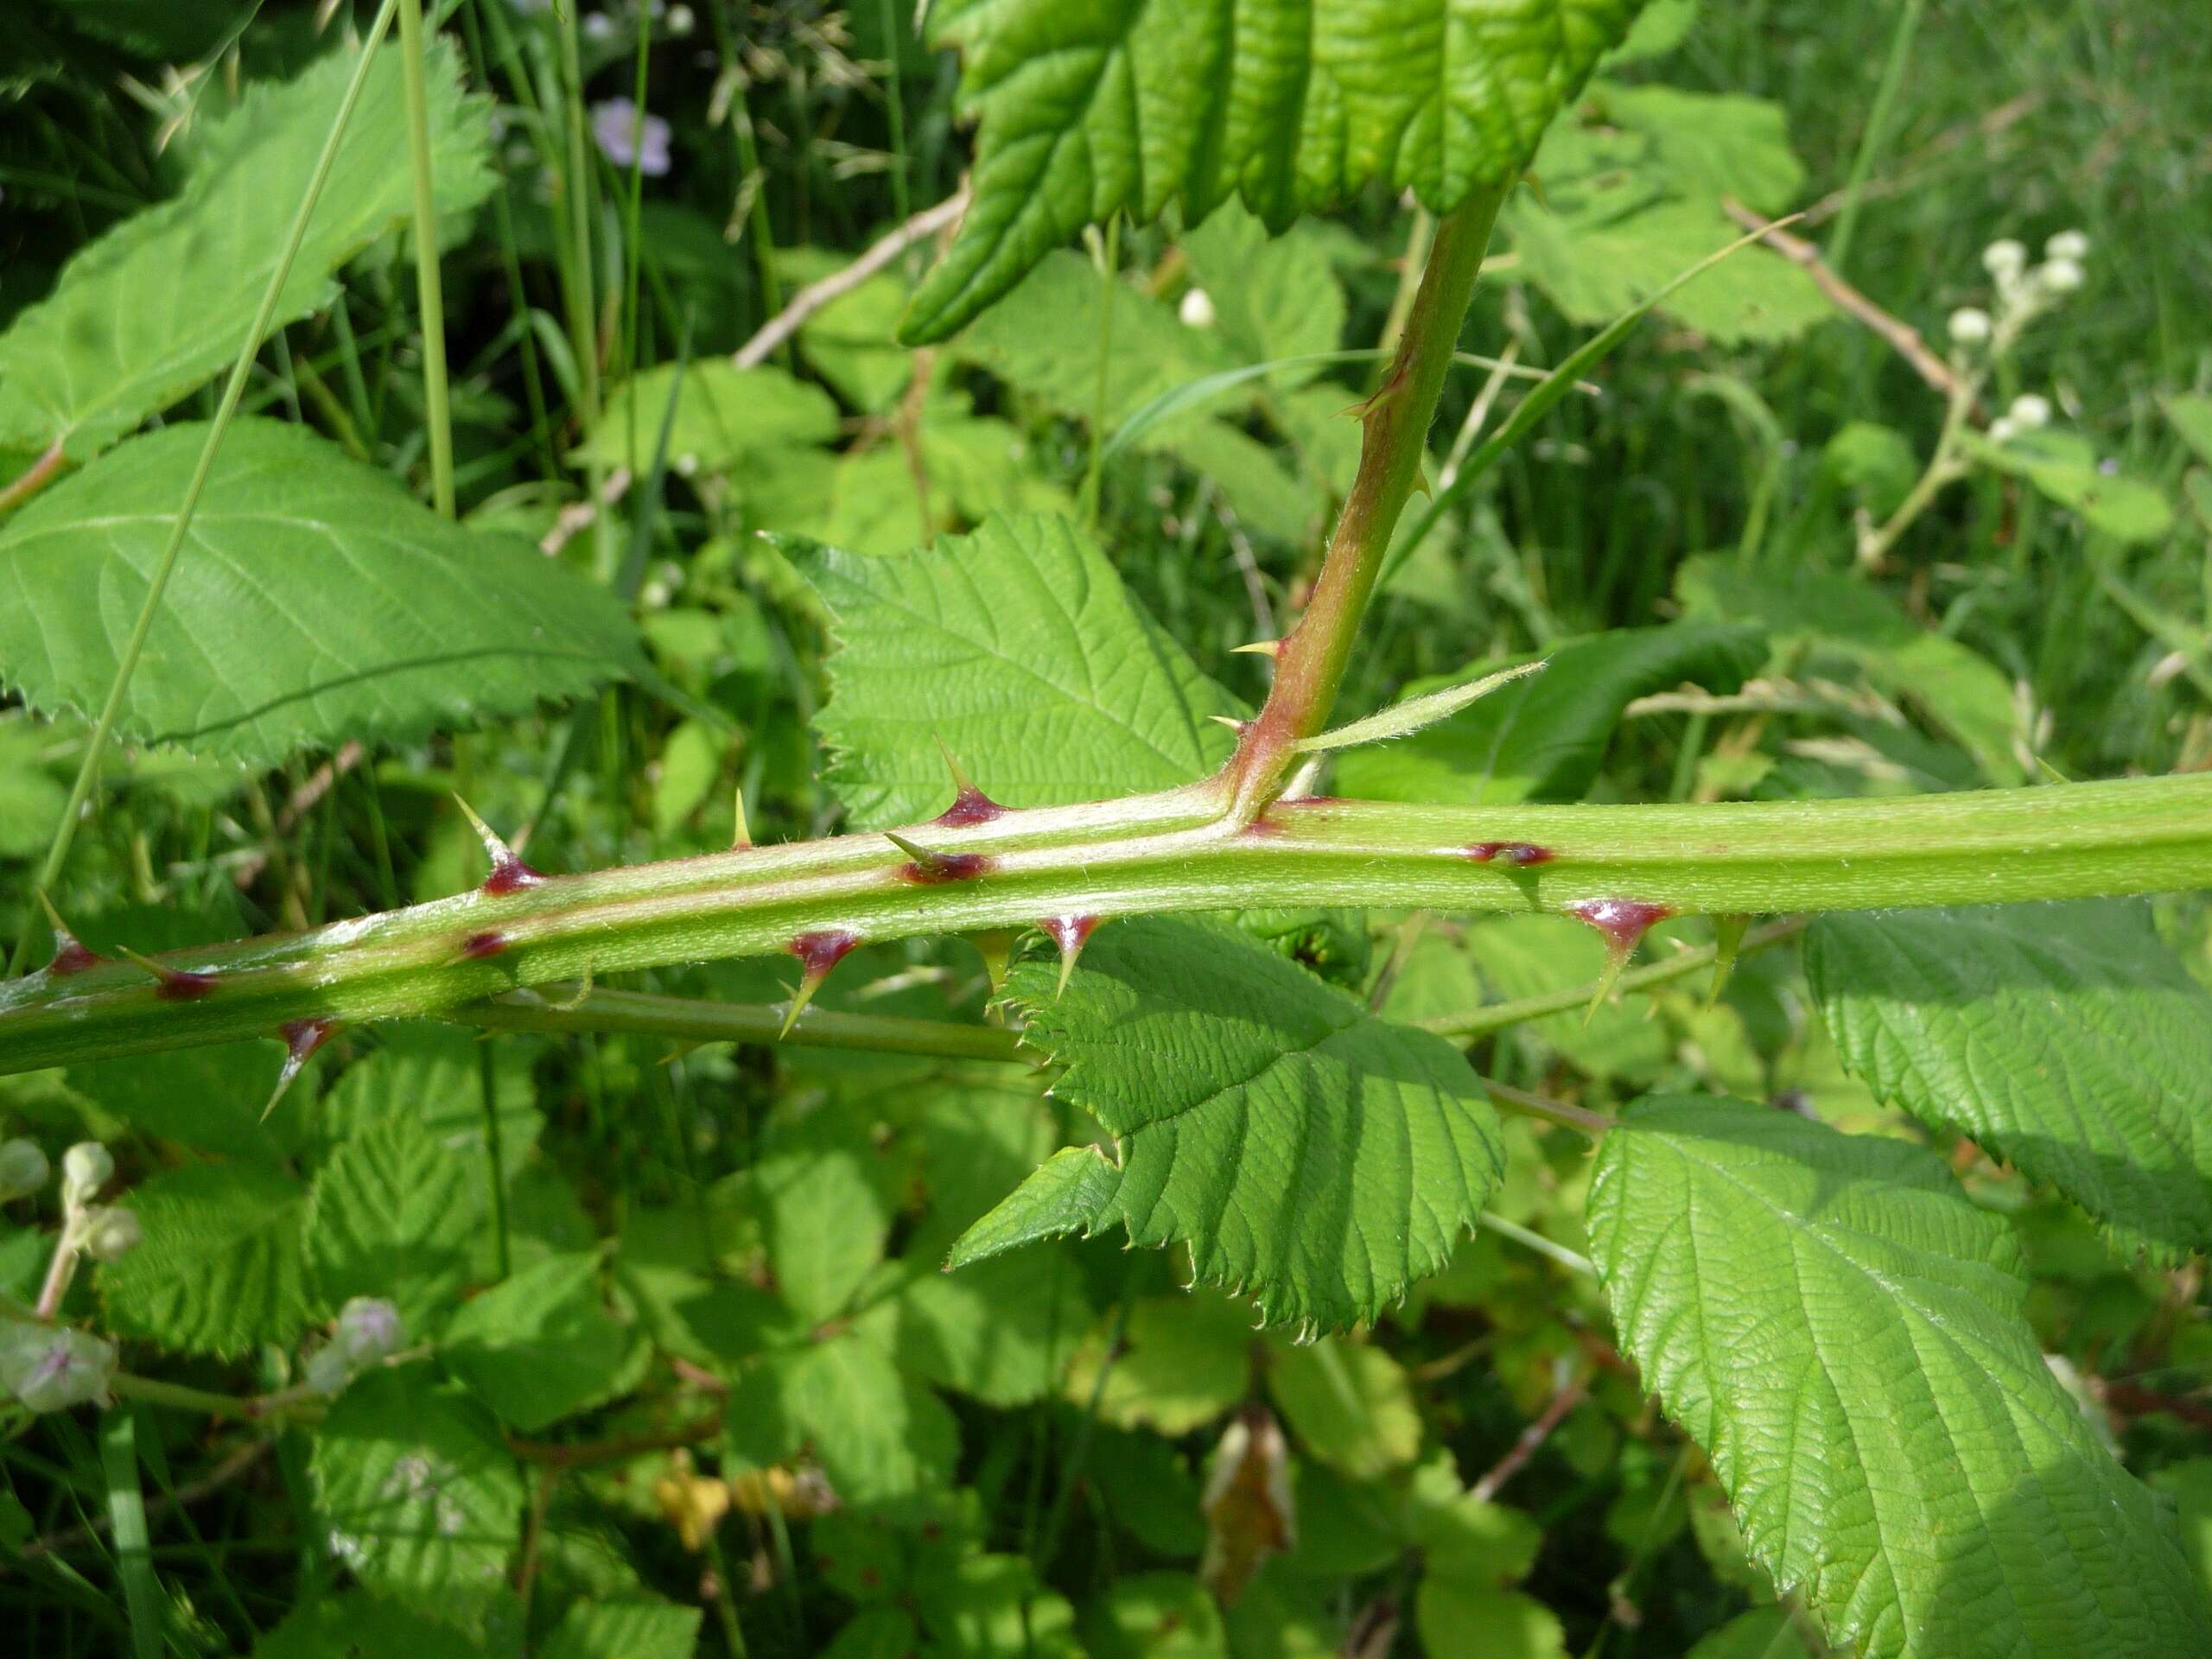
(682, 1371)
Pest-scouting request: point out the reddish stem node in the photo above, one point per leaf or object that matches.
(1622, 921)
(1523, 852)
(483, 945)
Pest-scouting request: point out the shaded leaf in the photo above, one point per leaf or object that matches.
(540, 1345)
(223, 1265)
(1348, 1403)
(159, 303)
(314, 601)
(724, 417)
(624, 1630)
(394, 1214)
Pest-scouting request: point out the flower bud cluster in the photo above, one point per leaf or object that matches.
(2023, 291)
(369, 1329)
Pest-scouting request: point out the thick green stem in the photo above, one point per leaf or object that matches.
(1311, 664)
(1178, 851)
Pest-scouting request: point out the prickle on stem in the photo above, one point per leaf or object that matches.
(70, 953)
(1623, 922)
(1071, 934)
(301, 1038)
(509, 873)
(818, 953)
(927, 868)
(970, 803)
(1523, 853)
(175, 984)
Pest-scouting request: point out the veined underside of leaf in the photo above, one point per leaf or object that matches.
(156, 305)
(1293, 105)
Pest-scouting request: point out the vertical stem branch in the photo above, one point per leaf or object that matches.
(1311, 664)
(428, 288)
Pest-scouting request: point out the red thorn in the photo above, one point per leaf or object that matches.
(70, 956)
(483, 945)
(301, 1039)
(970, 806)
(1523, 852)
(510, 875)
(818, 953)
(172, 984)
(928, 869)
(1070, 934)
(1622, 921)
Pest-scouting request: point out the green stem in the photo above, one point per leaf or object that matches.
(1877, 133)
(1183, 850)
(685, 1020)
(80, 790)
(428, 286)
(1480, 1022)
(1311, 664)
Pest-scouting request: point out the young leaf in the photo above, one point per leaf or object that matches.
(1021, 651)
(1543, 737)
(155, 306)
(421, 1496)
(541, 1345)
(316, 601)
(1291, 105)
(1311, 1155)
(394, 1211)
(2066, 1039)
(1842, 1332)
(222, 1266)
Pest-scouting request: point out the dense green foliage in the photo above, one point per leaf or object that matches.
(1086, 1220)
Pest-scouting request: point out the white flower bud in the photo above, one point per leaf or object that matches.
(368, 1329)
(679, 21)
(2059, 276)
(86, 1168)
(2068, 244)
(1969, 325)
(2005, 259)
(110, 1234)
(2001, 430)
(1197, 308)
(327, 1371)
(51, 1368)
(24, 1169)
(2028, 411)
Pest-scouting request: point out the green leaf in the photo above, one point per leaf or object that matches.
(1311, 1155)
(420, 1497)
(1154, 1616)
(878, 1435)
(31, 800)
(1544, 737)
(825, 1218)
(222, 1266)
(1875, 461)
(314, 602)
(540, 1345)
(2064, 468)
(1842, 1332)
(725, 417)
(624, 1630)
(359, 1625)
(1181, 1363)
(1002, 1331)
(1711, 144)
(1349, 1404)
(1019, 648)
(394, 1212)
(159, 304)
(2066, 1039)
(1291, 106)
(1272, 297)
(1763, 1633)
(2191, 415)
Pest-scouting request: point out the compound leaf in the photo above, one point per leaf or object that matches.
(2066, 1039)
(1311, 1155)
(160, 304)
(314, 601)
(1019, 648)
(1843, 1333)
(1127, 106)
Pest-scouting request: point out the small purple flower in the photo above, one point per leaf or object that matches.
(624, 140)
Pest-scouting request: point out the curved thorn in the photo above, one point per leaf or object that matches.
(176, 985)
(301, 1039)
(70, 954)
(1070, 934)
(818, 953)
(509, 873)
